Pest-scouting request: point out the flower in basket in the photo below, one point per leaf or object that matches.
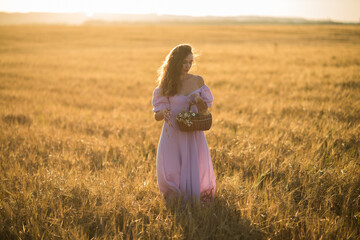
(186, 117)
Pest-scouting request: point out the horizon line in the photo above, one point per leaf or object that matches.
(185, 15)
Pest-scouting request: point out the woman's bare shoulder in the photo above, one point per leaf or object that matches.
(199, 80)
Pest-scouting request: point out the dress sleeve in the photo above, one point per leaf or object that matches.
(159, 102)
(206, 95)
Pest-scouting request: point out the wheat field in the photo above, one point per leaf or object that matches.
(78, 138)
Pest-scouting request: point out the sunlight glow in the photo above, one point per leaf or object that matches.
(343, 10)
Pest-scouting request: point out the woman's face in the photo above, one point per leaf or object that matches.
(187, 63)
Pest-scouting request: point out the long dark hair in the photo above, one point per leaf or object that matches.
(169, 72)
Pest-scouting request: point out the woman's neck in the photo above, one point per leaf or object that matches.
(184, 77)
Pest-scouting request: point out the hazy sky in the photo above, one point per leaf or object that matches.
(341, 10)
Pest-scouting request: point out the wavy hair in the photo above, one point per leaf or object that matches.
(169, 72)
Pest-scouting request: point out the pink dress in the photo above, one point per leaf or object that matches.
(183, 160)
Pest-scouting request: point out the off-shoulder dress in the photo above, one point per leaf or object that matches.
(183, 160)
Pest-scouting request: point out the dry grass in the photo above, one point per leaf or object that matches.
(78, 139)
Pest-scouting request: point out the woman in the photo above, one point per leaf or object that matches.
(184, 166)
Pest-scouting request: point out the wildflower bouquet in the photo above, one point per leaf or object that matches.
(186, 117)
(191, 121)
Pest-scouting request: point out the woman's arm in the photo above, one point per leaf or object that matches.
(201, 105)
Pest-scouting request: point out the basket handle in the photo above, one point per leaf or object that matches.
(190, 106)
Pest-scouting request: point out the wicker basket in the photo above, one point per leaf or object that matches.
(199, 123)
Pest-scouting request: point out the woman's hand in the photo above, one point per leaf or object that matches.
(195, 98)
(166, 113)
(163, 114)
